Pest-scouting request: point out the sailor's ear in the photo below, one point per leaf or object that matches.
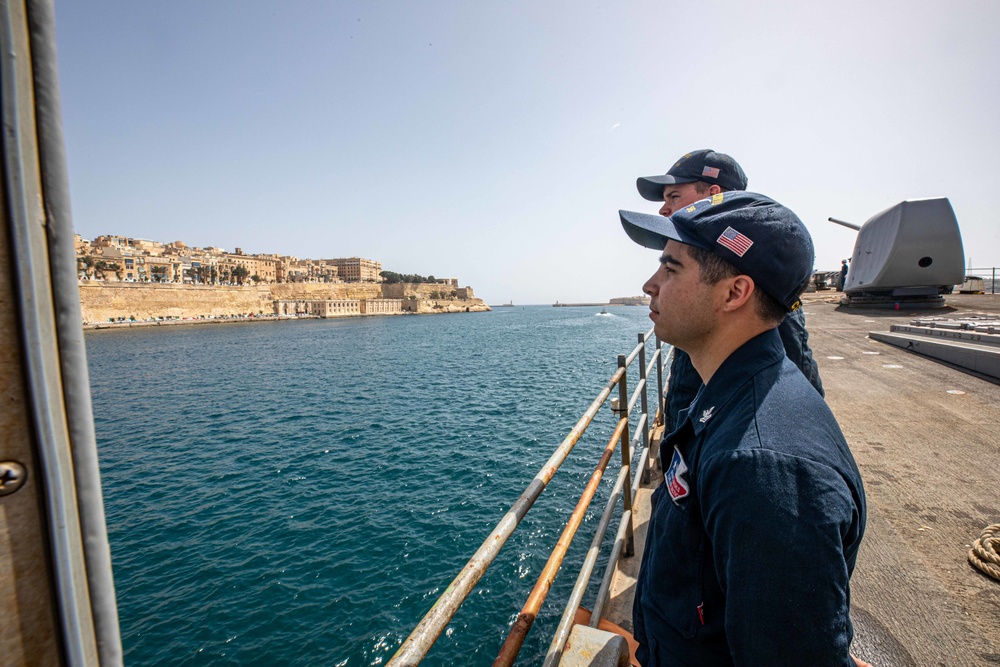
(739, 291)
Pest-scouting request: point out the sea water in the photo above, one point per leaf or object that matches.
(301, 492)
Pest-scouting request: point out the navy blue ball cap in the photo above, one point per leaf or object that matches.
(704, 165)
(754, 233)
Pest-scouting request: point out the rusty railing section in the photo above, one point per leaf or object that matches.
(420, 641)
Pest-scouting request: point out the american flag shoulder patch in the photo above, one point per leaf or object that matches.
(677, 484)
(735, 241)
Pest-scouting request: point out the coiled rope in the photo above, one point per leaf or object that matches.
(985, 552)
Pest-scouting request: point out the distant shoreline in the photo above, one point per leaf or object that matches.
(143, 304)
(603, 305)
(128, 324)
(235, 319)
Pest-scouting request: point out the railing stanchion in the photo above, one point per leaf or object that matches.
(645, 402)
(660, 406)
(626, 454)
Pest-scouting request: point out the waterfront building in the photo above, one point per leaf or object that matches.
(338, 307)
(110, 241)
(381, 306)
(114, 258)
(146, 246)
(255, 265)
(160, 269)
(319, 307)
(357, 269)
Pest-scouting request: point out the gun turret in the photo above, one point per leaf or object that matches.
(909, 254)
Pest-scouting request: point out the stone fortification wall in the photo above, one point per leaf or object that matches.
(314, 291)
(464, 300)
(424, 291)
(102, 302)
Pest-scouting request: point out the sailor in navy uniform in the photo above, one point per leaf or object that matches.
(697, 175)
(755, 531)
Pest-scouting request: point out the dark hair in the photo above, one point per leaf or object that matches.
(701, 187)
(713, 268)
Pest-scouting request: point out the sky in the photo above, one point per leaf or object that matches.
(494, 142)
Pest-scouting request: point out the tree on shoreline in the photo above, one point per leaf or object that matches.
(391, 277)
(85, 264)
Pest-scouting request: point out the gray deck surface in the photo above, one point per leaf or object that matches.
(930, 460)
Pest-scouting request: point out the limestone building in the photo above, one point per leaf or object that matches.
(357, 269)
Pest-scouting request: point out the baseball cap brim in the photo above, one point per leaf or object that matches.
(653, 231)
(651, 187)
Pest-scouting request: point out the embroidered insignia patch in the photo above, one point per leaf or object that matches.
(691, 209)
(718, 198)
(706, 414)
(711, 172)
(677, 485)
(735, 241)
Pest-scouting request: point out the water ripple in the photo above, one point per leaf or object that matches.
(300, 493)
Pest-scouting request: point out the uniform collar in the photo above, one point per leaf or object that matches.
(746, 361)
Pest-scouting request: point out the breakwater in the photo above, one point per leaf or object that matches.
(103, 302)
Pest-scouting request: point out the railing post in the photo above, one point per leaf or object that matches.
(993, 283)
(645, 402)
(626, 455)
(660, 405)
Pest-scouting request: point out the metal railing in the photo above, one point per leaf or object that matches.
(420, 641)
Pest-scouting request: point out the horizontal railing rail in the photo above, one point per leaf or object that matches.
(419, 642)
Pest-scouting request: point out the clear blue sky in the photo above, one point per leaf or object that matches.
(495, 142)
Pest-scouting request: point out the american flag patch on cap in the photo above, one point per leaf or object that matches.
(735, 241)
(711, 172)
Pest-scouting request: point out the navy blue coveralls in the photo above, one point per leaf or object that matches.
(685, 382)
(755, 531)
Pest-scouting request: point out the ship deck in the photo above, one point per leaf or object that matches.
(925, 436)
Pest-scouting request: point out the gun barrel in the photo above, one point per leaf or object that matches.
(850, 225)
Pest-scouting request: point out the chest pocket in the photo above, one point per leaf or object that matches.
(673, 580)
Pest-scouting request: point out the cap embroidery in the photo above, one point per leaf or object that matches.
(796, 305)
(711, 172)
(735, 241)
(717, 198)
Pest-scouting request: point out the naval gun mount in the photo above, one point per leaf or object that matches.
(907, 256)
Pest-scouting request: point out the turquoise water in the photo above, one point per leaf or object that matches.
(300, 493)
